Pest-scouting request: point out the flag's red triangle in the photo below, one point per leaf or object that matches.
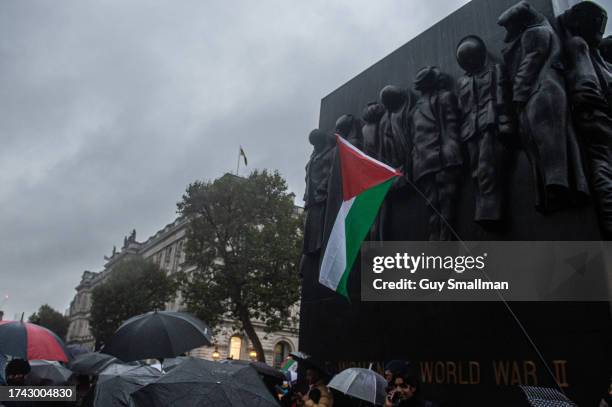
(360, 171)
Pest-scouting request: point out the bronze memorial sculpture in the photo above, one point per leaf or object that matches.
(590, 81)
(436, 155)
(372, 146)
(349, 128)
(605, 48)
(394, 150)
(394, 126)
(531, 122)
(533, 58)
(315, 196)
(370, 131)
(485, 123)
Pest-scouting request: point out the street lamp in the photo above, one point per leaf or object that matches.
(215, 355)
(253, 354)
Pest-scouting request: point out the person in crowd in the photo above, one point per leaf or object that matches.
(283, 394)
(85, 388)
(395, 368)
(16, 371)
(406, 393)
(607, 400)
(389, 377)
(318, 394)
(3, 361)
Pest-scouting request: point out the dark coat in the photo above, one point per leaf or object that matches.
(317, 179)
(317, 175)
(483, 102)
(370, 131)
(534, 66)
(435, 134)
(395, 135)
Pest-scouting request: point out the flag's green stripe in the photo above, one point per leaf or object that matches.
(357, 224)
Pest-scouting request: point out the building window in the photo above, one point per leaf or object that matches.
(235, 347)
(168, 257)
(180, 253)
(281, 351)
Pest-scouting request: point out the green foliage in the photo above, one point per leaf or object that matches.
(133, 287)
(244, 239)
(51, 319)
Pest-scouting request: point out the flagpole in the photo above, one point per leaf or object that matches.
(238, 163)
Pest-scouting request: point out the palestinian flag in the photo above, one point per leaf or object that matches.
(365, 182)
(290, 369)
(289, 364)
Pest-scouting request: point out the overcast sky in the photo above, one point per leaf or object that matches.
(109, 109)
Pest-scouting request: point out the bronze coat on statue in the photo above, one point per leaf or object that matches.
(315, 197)
(538, 88)
(435, 134)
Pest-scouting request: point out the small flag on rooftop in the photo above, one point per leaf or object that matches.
(243, 155)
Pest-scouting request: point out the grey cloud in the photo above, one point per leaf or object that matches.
(109, 109)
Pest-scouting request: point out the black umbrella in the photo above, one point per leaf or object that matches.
(202, 383)
(263, 369)
(91, 363)
(158, 335)
(118, 381)
(171, 363)
(50, 373)
(270, 376)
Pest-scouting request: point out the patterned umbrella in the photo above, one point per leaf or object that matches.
(30, 341)
(546, 397)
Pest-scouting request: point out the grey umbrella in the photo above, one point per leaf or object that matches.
(49, 373)
(202, 383)
(363, 384)
(118, 381)
(91, 363)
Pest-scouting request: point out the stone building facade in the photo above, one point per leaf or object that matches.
(165, 248)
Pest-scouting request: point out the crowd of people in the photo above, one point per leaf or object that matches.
(17, 373)
(403, 389)
(309, 390)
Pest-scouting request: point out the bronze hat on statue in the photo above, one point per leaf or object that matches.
(471, 53)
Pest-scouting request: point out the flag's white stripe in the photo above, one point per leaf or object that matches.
(364, 155)
(334, 259)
